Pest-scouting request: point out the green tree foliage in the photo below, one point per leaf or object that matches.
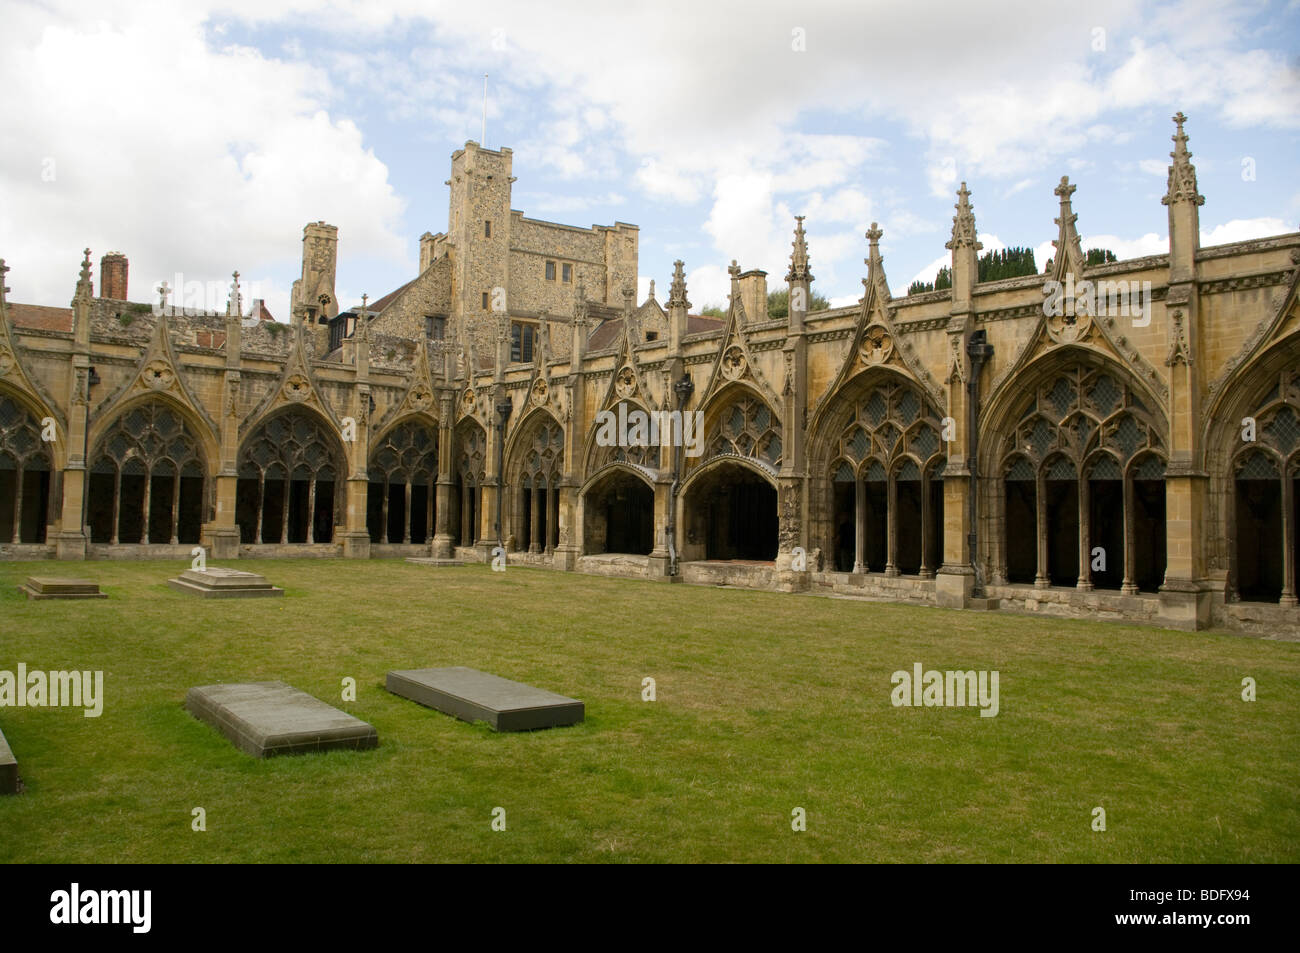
(1006, 263)
(1099, 256)
(778, 303)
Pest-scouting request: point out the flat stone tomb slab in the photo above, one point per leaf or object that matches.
(59, 587)
(8, 768)
(271, 718)
(472, 695)
(430, 561)
(218, 582)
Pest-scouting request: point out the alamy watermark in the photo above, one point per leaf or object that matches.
(1069, 299)
(24, 689)
(197, 298)
(933, 688)
(659, 428)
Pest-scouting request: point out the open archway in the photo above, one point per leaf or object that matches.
(26, 472)
(147, 479)
(403, 471)
(471, 474)
(290, 472)
(618, 512)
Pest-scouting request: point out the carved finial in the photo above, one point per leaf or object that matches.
(235, 303)
(734, 270)
(652, 289)
(84, 290)
(799, 257)
(677, 292)
(963, 223)
(1065, 190)
(164, 292)
(1182, 174)
(580, 304)
(629, 299)
(3, 271)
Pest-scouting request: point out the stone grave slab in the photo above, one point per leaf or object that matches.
(61, 587)
(8, 768)
(272, 718)
(218, 582)
(471, 695)
(434, 561)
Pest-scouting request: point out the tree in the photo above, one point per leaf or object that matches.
(1099, 256)
(778, 303)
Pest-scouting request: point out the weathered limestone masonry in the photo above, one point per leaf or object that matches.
(1115, 440)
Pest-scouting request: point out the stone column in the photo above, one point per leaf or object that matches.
(261, 504)
(1085, 536)
(859, 524)
(1129, 586)
(1041, 578)
(117, 504)
(1288, 541)
(407, 538)
(553, 520)
(927, 518)
(383, 513)
(18, 507)
(176, 507)
(891, 525)
(311, 510)
(284, 515)
(534, 520)
(148, 494)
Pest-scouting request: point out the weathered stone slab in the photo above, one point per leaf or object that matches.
(60, 587)
(218, 582)
(8, 768)
(433, 561)
(472, 695)
(272, 718)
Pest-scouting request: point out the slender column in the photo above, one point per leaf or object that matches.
(284, 515)
(859, 525)
(927, 517)
(1041, 580)
(383, 511)
(1129, 586)
(117, 502)
(148, 495)
(1085, 535)
(553, 520)
(261, 503)
(891, 525)
(428, 515)
(176, 506)
(534, 521)
(1288, 541)
(407, 537)
(311, 510)
(18, 508)
(465, 491)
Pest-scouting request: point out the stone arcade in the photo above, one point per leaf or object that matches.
(1168, 439)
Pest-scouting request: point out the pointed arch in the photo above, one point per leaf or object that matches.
(402, 479)
(534, 468)
(27, 471)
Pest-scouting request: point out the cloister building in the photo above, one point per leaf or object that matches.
(974, 447)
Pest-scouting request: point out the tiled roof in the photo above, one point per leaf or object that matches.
(607, 332)
(40, 316)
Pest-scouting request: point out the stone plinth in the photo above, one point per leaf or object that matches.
(471, 695)
(8, 768)
(60, 587)
(272, 718)
(220, 583)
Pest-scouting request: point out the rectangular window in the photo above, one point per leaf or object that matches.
(485, 297)
(487, 229)
(435, 327)
(652, 335)
(522, 338)
(567, 273)
(550, 271)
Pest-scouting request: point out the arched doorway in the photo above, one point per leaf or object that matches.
(26, 469)
(731, 513)
(400, 498)
(471, 474)
(146, 480)
(1078, 476)
(886, 483)
(289, 473)
(618, 514)
(538, 464)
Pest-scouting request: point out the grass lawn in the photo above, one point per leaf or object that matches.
(766, 702)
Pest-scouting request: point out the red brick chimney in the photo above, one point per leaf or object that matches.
(112, 276)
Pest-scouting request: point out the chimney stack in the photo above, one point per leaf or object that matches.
(112, 276)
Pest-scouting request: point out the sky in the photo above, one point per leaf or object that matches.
(199, 137)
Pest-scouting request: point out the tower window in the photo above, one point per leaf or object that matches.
(485, 301)
(522, 338)
(566, 273)
(435, 326)
(550, 271)
(487, 229)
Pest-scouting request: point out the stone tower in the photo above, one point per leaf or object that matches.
(479, 232)
(314, 292)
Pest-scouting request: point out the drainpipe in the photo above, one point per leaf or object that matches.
(980, 351)
(684, 387)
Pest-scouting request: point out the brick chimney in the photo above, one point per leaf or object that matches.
(112, 276)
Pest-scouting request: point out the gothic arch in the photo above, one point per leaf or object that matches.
(402, 481)
(740, 424)
(596, 456)
(28, 472)
(292, 470)
(469, 471)
(149, 477)
(534, 469)
(199, 428)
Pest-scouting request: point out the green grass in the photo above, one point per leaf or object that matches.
(766, 702)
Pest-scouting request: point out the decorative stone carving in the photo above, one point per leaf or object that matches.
(734, 363)
(297, 388)
(540, 391)
(877, 345)
(625, 384)
(157, 375)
